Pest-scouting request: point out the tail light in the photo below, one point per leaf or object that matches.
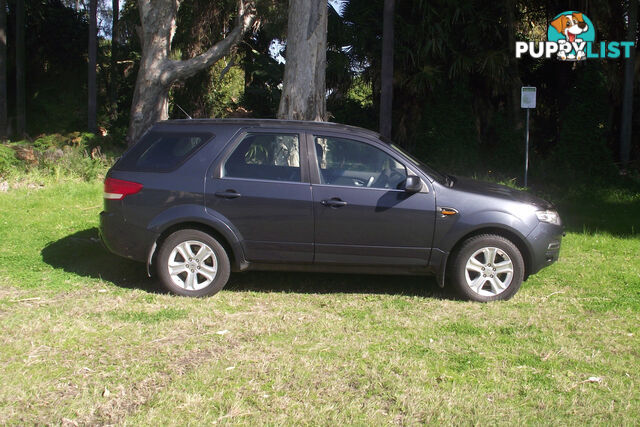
(117, 189)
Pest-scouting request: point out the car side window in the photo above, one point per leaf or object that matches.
(356, 164)
(160, 151)
(268, 156)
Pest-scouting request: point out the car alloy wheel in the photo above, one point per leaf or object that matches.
(192, 265)
(489, 271)
(486, 267)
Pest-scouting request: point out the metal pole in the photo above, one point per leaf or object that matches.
(526, 152)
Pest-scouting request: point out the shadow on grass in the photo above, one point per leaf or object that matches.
(82, 253)
(597, 213)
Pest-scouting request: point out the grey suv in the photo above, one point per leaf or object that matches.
(197, 199)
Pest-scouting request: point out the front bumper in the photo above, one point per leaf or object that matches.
(545, 241)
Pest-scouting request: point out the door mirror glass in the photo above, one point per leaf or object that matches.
(413, 184)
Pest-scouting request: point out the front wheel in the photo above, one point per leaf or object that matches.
(487, 267)
(192, 263)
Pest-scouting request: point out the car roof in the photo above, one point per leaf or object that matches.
(272, 123)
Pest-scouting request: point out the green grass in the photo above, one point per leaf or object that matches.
(86, 337)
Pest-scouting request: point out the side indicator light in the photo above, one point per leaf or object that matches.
(448, 211)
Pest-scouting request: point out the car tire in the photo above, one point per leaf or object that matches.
(192, 263)
(486, 267)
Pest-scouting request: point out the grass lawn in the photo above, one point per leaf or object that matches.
(87, 338)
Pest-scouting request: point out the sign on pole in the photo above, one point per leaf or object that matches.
(528, 97)
(527, 101)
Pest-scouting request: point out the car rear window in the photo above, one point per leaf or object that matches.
(161, 151)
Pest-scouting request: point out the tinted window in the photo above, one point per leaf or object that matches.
(269, 156)
(357, 164)
(162, 151)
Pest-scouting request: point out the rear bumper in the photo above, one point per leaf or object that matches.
(545, 241)
(124, 239)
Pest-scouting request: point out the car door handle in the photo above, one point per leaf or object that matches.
(229, 194)
(334, 203)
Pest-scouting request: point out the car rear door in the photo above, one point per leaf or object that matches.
(261, 186)
(362, 214)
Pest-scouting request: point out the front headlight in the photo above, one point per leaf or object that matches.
(551, 217)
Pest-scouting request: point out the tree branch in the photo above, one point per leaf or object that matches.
(180, 70)
(226, 69)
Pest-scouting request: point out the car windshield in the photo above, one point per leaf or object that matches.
(438, 176)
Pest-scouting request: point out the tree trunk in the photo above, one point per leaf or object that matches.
(386, 72)
(515, 83)
(113, 87)
(304, 88)
(20, 71)
(157, 72)
(91, 77)
(3, 69)
(627, 91)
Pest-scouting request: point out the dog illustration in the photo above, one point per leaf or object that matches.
(570, 26)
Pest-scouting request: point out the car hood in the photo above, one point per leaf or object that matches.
(500, 191)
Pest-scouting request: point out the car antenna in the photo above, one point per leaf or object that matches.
(185, 113)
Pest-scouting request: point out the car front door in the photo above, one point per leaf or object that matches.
(362, 213)
(262, 188)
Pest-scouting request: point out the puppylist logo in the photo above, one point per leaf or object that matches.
(571, 36)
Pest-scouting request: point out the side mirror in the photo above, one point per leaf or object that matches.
(413, 184)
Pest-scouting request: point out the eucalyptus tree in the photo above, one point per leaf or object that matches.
(304, 87)
(115, 48)
(158, 72)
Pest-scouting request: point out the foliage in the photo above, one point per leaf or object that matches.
(447, 137)
(75, 155)
(356, 107)
(8, 160)
(209, 93)
(56, 70)
(263, 75)
(456, 79)
(459, 50)
(580, 155)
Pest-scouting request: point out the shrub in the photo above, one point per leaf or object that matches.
(8, 160)
(74, 162)
(54, 140)
(74, 155)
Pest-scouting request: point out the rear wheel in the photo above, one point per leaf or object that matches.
(487, 267)
(192, 263)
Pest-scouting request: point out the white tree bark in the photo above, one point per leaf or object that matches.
(303, 94)
(157, 72)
